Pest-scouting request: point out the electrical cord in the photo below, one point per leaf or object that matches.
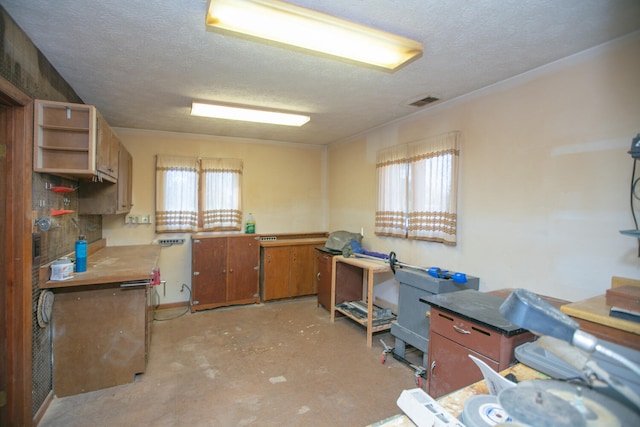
(180, 314)
(634, 184)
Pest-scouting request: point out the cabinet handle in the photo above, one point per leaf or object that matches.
(134, 284)
(318, 275)
(462, 331)
(431, 368)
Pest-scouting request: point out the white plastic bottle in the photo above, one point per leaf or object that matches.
(250, 225)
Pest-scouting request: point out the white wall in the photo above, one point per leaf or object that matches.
(283, 186)
(544, 177)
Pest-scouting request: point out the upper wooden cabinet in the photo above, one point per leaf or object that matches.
(125, 181)
(74, 140)
(108, 147)
(100, 198)
(65, 139)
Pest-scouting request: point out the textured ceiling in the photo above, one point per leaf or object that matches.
(142, 62)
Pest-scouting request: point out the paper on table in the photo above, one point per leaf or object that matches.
(495, 382)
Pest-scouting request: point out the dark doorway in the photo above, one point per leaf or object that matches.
(16, 121)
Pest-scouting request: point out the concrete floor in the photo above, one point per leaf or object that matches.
(275, 364)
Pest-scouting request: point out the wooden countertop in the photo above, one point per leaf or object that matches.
(596, 310)
(366, 263)
(112, 264)
(293, 242)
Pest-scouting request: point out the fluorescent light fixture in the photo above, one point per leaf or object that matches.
(281, 22)
(247, 114)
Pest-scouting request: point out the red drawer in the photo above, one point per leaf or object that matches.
(468, 334)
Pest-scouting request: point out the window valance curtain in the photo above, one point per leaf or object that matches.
(221, 194)
(433, 165)
(198, 194)
(392, 172)
(176, 194)
(417, 189)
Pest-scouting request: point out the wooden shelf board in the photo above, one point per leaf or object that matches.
(65, 128)
(49, 148)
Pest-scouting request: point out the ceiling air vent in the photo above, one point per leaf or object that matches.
(424, 101)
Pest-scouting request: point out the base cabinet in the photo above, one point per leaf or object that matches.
(323, 278)
(101, 334)
(225, 270)
(452, 339)
(288, 269)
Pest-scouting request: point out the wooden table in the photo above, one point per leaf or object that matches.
(368, 266)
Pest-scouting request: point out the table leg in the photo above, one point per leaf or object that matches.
(369, 307)
(334, 261)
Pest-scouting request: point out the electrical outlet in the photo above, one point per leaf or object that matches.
(145, 219)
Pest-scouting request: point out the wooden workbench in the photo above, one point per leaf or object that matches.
(369, 267)
(102, 319)
(593, 316)
(454, 402)
(109, 264)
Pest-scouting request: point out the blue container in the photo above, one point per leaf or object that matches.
(81, 254)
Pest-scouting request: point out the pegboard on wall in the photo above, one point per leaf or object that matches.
(57, 241)
(41, 363)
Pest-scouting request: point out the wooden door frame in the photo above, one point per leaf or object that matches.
(17, 368)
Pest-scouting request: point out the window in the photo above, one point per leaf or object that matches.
(198, 194)
(417, 190)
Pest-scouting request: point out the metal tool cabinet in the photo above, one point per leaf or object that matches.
(463, 323)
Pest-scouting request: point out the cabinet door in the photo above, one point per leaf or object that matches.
(276, 273)
(302, 268)
(125, 169)
(107, 146)
(450, 367)
(323, 278)
(243, 261)
(209, 271)
(103, 198)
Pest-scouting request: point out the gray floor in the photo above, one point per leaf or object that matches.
(274, 364)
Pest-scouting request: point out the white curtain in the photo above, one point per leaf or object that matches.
(221, 194)
(176, 194)
(391, 211)
(434, 181)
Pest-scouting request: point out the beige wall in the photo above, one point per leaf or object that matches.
(544, 180)
(544, 177)
(283, 188)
